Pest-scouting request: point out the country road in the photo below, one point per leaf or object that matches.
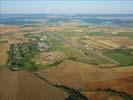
(115, 62)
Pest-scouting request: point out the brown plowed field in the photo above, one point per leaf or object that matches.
(122, 84)
(80, 75)
(4, 47)
(22, 85)
(96, 95)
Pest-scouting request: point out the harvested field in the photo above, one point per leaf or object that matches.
(80, 75)
(128, 69)
(4, 47)
(65, 73)
(95, 95)
(48, 58)
(100, 96)
(104, 42)
(22, 85)
(123, 41)
(9, 29)
(108, 42)
(122, 84)
(12, 34)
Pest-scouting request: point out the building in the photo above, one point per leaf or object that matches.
(42, 46)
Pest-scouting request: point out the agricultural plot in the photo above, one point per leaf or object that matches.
(127, 34)
(4, 47)
(84, 73)
(82, 48)
(65, 60)
(89, 77)
(108, 94)
(22, 85)
(123, 56)
(97, 34)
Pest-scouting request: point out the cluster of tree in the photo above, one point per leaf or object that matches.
(125, 50)
(73, 94)
(13, 61)
(22, 57)
(26, 56)
(32, 36)
(123, 95)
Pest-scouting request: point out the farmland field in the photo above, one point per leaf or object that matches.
(22, 85)
(66, 57)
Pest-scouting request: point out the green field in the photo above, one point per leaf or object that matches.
(123, 59)
(127, 34)
(97, 34)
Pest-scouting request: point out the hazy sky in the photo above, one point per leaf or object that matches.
(66, 6)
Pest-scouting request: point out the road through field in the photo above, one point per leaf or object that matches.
(113, 61)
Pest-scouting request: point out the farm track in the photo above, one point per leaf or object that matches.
(103, 56)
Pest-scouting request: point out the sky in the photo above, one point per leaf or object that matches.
(67, 6)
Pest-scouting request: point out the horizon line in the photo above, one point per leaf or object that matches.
(69, 13)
